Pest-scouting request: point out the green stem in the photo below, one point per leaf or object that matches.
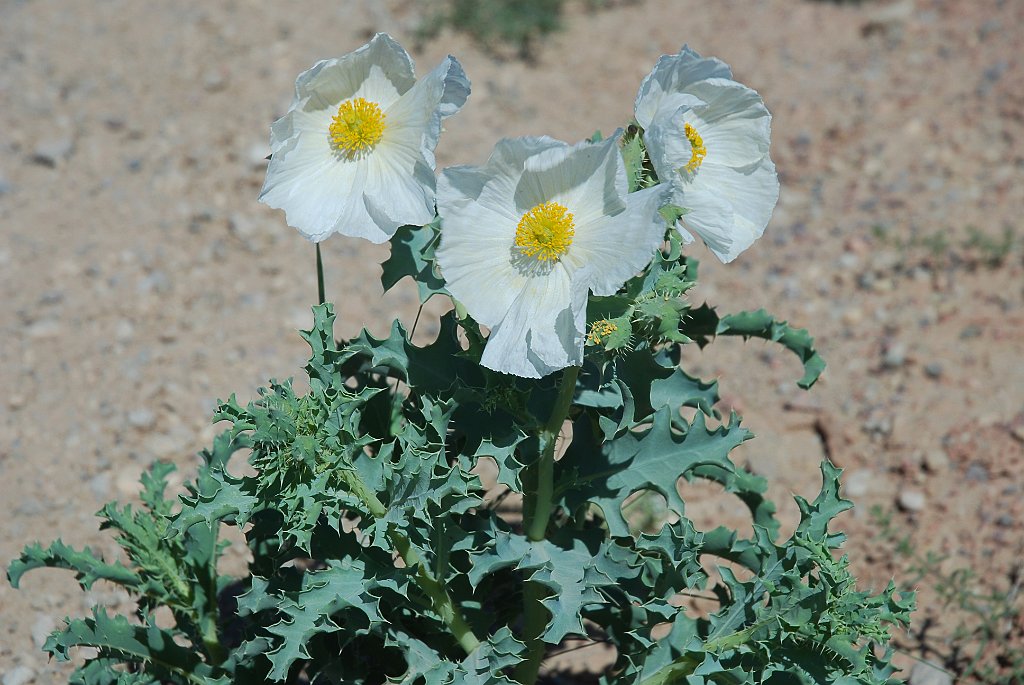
(320, 275)
(536, 516)
(540, 502)
(439, 598)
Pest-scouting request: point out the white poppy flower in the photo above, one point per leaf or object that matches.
(525, 238)
(708, 137)
(355, 152)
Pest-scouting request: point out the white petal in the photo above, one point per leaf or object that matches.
(418, 112)
(731, 207)
(477, 234)
(616, 248)
(752, 191)
(332, 81)
(712, 220)
(543, 331)
(733, 122)
(589, 179)
(666, 86)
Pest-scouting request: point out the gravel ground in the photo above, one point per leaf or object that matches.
(140, 280)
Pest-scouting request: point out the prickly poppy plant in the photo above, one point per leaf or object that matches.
(377, 553)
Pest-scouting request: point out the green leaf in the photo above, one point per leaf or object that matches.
(87, 566)
(704, 323)
(653, 458)
(327, 601)
(152, 648)
(412, 255)
(574, 573)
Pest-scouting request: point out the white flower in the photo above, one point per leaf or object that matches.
(708, 137)
(355, 152)
(525, 238)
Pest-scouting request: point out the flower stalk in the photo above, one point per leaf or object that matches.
(537, 515)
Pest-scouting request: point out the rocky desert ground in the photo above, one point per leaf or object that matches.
(140, 280)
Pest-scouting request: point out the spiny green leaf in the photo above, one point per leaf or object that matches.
(704, 323)
(653, 458)
(87, 566)
(412, 255)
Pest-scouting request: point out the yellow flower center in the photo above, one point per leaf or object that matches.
(600, 330)
(357, 127)
(545, 232)
(698, 151)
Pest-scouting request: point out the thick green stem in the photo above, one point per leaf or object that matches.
(320, 276)
(537, 514)
(432, 588)
(540, 504)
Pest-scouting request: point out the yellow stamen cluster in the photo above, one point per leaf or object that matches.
(545, 232)
(357, 127)
(698, 153)
(600, 330)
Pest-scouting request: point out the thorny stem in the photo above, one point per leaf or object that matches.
(440, 600)
(537, 514)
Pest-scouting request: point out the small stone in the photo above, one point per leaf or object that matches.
(859, 483)
(925, 673)
(933, 370)
(911, 500)
(895, 356)
(935, 461)
(977, 473)
(1005, 521)
(100, 485)
(215, 80)
(53, 152)
(157, 282)
(41, 629)
(141, 418)
(44, 329)
(124, 330)
(19, 675)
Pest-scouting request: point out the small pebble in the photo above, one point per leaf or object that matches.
(100, 485)
(933, 370)
(895, 356)
(142, 418)
(19, 675)
(53, 152)
(977, 472)
(911, 500)
(935, 461)
(926, 674)
(859, 483)
(44, 329)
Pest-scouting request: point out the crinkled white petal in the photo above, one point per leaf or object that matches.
(711, 219)
(588, 179)
(733, 122)
(321, 191)
(537, 311)
(730, 207)
(666, 87)
(543, 330)
(419, 111)
(478, 228)
(332, 81)
(616, 248)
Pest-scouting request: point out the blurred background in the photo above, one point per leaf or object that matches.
(140, 280)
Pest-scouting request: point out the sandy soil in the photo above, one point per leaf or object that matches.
(140, 280)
